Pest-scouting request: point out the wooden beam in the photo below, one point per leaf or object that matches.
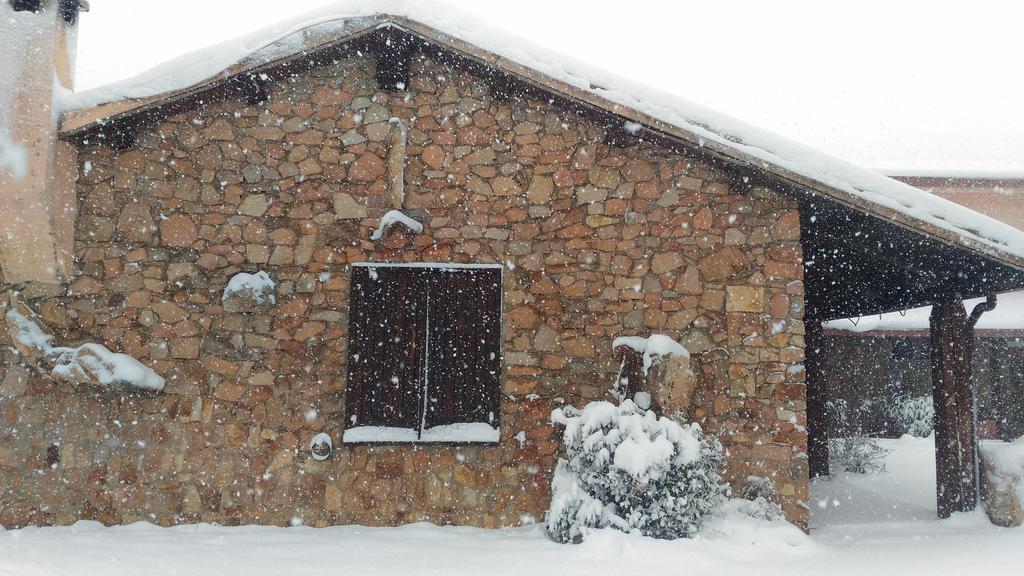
(956, 443)
(817, 397)
(398, 138)
(394, 54)
(253, 87)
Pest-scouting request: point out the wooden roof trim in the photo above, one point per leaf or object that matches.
(978, 332)
(79, 121)
(76, 122)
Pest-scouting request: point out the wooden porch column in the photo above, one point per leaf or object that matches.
(956, 443)
(817, 397)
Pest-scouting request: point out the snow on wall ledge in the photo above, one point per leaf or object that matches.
(88, 363)
(258, 287)
(392, 218)
(706, 125)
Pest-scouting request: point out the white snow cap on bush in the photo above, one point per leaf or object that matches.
(651, 347)
(628, 469)
(391, 218)
(88, 362)
(259, 287)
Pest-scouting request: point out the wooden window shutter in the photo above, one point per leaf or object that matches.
(386, 331)
(424, 351)
(464, 356)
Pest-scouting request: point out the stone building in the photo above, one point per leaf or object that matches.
(397, 185)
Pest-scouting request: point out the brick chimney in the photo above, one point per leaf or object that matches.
(37, 171)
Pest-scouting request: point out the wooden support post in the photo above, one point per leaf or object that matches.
(956, 442)
(817, 397)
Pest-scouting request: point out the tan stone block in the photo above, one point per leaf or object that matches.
(589, 194)
(638, 170)
(230, 391)
(597, 221)
(254, 205)
(689, 282)
(178, 230)
(723, 263)
(136, 223)
(505, 186)
(546, 339)
(523, 315)
(787, 227)
(219, 130)
(744, 299)
(665, 262)
(347, 207)
(579, 346)
(282, 256)
(433, 156)
(540, 190)
(367, 168)
(185, 347)
(169, 312)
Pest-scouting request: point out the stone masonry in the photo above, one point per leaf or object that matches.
(597, 240)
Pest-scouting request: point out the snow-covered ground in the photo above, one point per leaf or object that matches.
(875, 525)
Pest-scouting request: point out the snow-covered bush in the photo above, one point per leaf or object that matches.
(628, 469)
(857, 454)
(913, 415)
(852, 451)
(764, 500)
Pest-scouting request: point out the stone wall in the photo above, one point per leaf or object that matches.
(598, 241)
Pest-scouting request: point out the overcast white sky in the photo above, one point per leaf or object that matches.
(889, 85)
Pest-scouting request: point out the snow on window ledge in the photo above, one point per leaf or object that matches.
(462, 432)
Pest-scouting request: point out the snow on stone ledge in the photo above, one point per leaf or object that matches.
(28, 332)
(655, 345)
(258, 287)
(395, 217)
(460, 432)
(95, 362)
(86, 363)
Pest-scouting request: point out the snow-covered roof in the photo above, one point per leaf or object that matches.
(639, 106)
(1008, 315)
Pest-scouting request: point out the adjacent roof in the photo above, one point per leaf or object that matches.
(640, 109)
(1008, 315)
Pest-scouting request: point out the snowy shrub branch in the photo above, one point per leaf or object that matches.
(628, 469)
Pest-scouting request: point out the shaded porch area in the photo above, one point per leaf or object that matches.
(860, 263)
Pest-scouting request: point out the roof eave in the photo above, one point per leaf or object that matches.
(79, 121)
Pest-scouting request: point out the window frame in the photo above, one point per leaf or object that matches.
(415, 323)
